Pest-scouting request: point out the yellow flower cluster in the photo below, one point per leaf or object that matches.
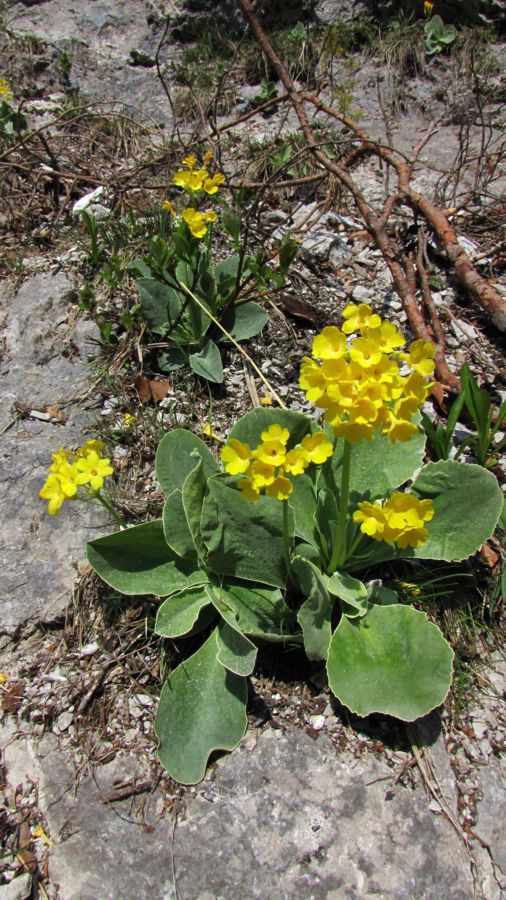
(5, 91)
(398, 520)
(196, 181)
(69, 471)
(268, 465)
(367, 383)
(193, 180)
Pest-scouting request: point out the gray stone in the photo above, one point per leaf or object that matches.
(490, 809)
(18, 889)
(45, 364)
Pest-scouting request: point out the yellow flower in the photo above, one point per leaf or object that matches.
(212, 184)
(271, 452)
(262, 474)
(296, 461)
(92, 446)
(280, 488)
(3, 677)
(95, 468)
(53, 492)
(399, 520)
(266, 399)
(248, 491)
(38, 832)
(420, 357)
(169, 207)
(317, 448)
(428, 7)
(208, 430)
(236, 456)
(5, 91)
(197, 221)
(356, 318)
(208, 157)
(385, 337)
(129, 420)
(190, 161)
(59, 457)
(365, 352)
(329, 344)
(276, 433)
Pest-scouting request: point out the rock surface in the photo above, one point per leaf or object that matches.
(45, 365)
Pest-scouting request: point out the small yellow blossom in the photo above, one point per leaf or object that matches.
(38, 832)
(5, 91)
(3, 677)
(208, 431)
(266, 399)
(399, 520)
(236, 456)
(428, 7)
(280, 488)
(53, 492)
(356, 318)
(169, 207)
(190, 161)
(129, 420)
(212, 184)
(95, 468)
(197, 221)
(86, 468)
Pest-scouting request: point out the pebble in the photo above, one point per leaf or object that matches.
(317, 722)
(64, 720)
(362, 294)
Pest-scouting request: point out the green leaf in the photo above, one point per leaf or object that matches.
(174, 460)
(351, 591)
(244, 539)
(194, 489)
(138, 561)
(225, 276)
(287, 252)
(207, 363)
(172, 359)
(325, 518)
(178, 615)
(244, 321)
(315, 613)
(303, 502)
(231, 223)
(235, 651)
(176, 530)
(467, 501)
(202, 709)
(160, 304)
(257, 612)
(378, 466)
(250, 427)
(394, 661)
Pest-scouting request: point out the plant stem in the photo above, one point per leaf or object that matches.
(105, 503)
(339, 549)
(286, 538)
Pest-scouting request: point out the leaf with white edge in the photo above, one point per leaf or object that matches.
(179, 614)
(194, 490)
(351, 591)
(176, 530)
(235, 651)
(315, 613)
(174, 461)
(257, 612)
(393, 661)
(138, 561)
(244, 539)
(160, 304)
(207, 363)
(303, 502)
(378, 466)
(202, 709)
(468, 503)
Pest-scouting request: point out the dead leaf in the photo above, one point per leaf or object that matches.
(299, 310)
(56, 414)
(438, 391)
(489, 557)
(12, 696)
(150, 391)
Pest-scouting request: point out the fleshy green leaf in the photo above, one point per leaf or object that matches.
(174, 461)
(378, 466)
(257, 612)
(244, 539)
(235, 650)
(178, 615)
(303, 502)
(176, 530)
(202, 709)
(194, 489)
(244, 321)
(160, 304)
(315, 613)
(207, 363)
(138, 561)
(467, 501)
(393, 661)
(351, 591)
